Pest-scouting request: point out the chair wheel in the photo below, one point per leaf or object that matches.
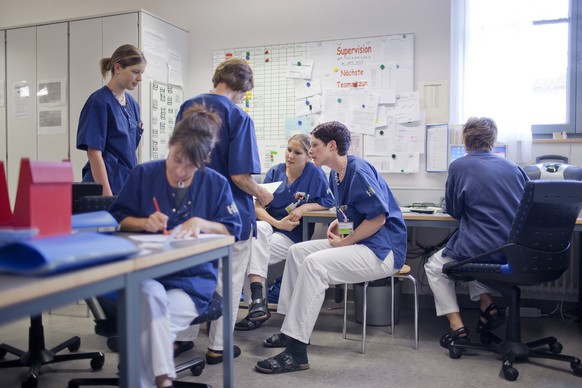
(196, 370)
(576, 367)
(510, 373)
(455, 352)
(30, 382)
(556, 347)
(97, 362)
(74, 346)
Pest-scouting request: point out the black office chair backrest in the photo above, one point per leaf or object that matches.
(539, 242)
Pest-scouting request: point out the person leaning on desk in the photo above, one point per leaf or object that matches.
(367, 241)
(483, 191)
(197, 199)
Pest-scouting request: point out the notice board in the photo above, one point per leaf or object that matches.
(357, 81)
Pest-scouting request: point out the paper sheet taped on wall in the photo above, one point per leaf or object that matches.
(398, 162)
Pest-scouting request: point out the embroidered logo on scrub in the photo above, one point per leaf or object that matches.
(370, 191)
(232, 209)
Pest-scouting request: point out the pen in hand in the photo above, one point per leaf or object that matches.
(164, 230)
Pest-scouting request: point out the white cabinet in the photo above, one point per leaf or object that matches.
(68, 52)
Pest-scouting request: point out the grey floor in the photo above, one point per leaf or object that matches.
(335, 362)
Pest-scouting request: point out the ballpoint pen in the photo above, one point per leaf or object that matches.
(165, 231)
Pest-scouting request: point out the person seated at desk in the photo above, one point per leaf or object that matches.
(367, 241)
(483, 191)
(197, 199)
(304, 188)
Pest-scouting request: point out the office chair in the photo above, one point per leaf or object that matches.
(404, 273)
(537, 251)
(195, 365)
(37, 355)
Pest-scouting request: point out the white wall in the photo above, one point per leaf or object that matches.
(219, 24)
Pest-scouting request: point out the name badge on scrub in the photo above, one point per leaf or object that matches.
(345, 228)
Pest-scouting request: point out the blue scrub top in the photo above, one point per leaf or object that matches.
(208, 197)
(363, 195)
(483, 191)
(310, 187)
(113, 129)
(235, 152)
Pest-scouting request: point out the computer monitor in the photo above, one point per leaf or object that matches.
(457, 151)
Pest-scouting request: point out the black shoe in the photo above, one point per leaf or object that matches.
(181, 347)
(214, 357)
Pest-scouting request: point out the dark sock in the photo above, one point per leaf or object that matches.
(256, 290)
(298, 350)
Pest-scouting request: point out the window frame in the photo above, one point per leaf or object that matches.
(574, 82)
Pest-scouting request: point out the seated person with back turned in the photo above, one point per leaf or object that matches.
(304, 188)
(483, 191)
(197, 199)
(367, 241)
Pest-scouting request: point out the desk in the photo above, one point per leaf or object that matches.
(436, 220)
(24, 296)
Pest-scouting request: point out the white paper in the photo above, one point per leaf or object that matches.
(174, 68)
(51, 93)
(163, 238)
(300, 68)
(306, 88)
(52, 121)
(363, 111)
(434, 100)
(271, 187)
(436, 147)
(407, 108)
(22, 100)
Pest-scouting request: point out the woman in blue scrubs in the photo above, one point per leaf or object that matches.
(303, 188)
(110, 126)
(367, 241)
(197, 199)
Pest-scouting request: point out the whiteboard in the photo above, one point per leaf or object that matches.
(292, 80)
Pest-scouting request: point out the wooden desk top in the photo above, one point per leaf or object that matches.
(16, 289)
(406, 216)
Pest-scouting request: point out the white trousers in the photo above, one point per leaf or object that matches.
(163, 315)
(241, 253)
(269, 247)
(311, 267)
(443, 287)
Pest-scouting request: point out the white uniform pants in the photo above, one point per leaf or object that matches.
(163, 315)
(241, 252)
(311, 267)
(269, 247)
(443, 287)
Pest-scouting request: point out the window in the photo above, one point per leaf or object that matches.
(515, 61)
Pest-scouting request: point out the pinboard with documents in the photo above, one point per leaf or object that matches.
(365, 83)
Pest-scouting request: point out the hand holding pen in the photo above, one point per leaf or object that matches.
(156, 221)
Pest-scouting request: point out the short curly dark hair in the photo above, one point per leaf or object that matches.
(334, 130)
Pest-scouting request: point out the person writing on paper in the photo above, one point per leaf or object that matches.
(110, 126)
(199, 200)
(367, 241)
(304, 187)
(483, 191)
(236, 157)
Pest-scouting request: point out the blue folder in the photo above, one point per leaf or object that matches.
(50, 255)
(99, 221)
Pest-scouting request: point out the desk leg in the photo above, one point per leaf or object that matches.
(129, 333)
(228, 370)
(306, 224)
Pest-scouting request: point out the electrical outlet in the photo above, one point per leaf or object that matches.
(530, 312)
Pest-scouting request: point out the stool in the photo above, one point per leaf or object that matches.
(404, 273)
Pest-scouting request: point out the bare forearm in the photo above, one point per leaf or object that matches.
(98, 169)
